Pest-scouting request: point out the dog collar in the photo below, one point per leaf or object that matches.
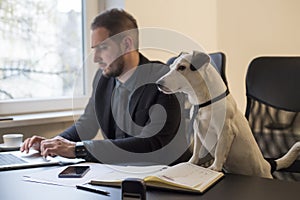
(218, 98)
(197, 107)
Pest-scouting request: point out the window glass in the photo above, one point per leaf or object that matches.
(41, 45)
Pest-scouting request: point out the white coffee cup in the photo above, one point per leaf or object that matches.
(13, 140)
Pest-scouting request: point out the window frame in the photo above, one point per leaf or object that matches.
(90, 9)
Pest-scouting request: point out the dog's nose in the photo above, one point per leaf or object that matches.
(160, 83)
(161, 86)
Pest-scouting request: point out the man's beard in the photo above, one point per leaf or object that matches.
(115, 68)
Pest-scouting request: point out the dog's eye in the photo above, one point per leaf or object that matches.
(181, 68)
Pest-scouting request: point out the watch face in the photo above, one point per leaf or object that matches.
(80, 150)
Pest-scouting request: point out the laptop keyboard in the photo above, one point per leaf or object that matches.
(8, 159)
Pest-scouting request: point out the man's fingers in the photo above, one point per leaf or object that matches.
(48, 147)
(48, 152)
(33, 142)
(57, 146)
(26, 145)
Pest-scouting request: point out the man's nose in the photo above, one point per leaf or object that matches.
(97, 56)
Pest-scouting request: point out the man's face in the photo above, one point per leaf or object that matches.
(107, 53)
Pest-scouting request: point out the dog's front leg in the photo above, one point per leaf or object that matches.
(222, 149)
(196, 149)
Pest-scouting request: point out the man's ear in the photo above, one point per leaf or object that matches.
(199, 59)
(127, 44)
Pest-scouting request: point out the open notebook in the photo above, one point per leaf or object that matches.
(181, 177)
(17, 160)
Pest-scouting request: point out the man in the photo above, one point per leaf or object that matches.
(136, 119)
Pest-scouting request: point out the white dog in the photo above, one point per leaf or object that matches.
(218, 125)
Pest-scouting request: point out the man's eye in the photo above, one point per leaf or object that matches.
(181, 68)
(102, 47)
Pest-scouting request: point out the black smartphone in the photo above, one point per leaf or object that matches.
(74, 172)
(133, 189)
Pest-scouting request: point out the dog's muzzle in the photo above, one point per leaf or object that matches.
(161, 86)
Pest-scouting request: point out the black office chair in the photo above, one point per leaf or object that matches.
(273, 104)
(218, 60)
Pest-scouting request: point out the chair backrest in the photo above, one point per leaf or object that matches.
(218, 60)
(275, 81)
(273, 104)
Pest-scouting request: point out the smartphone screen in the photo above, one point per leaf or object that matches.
(74, 172)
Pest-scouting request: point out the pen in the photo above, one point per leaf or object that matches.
(6, 118)
(95, 190)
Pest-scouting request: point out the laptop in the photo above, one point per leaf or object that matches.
(16, 160)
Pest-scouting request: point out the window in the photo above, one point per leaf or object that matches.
(42, 52)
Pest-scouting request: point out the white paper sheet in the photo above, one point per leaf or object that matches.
(97, 171)
(51, 176)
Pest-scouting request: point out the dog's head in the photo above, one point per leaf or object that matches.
(185, 70)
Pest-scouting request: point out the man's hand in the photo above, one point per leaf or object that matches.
(58, 146)
(34, 142)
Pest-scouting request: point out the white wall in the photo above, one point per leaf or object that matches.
(241, 29)
(195, 19)
(247, 29)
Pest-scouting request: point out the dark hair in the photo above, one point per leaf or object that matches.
(117, 21)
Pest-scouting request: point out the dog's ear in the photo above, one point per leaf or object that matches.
(182, 53)
(172, 59)
(199, 59)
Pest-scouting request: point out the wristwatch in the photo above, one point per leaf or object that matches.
(80, 150)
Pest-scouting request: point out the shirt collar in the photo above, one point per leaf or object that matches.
(130, 82)
(126, 76)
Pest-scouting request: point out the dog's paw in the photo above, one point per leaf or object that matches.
(193, 160)
(215, 168)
